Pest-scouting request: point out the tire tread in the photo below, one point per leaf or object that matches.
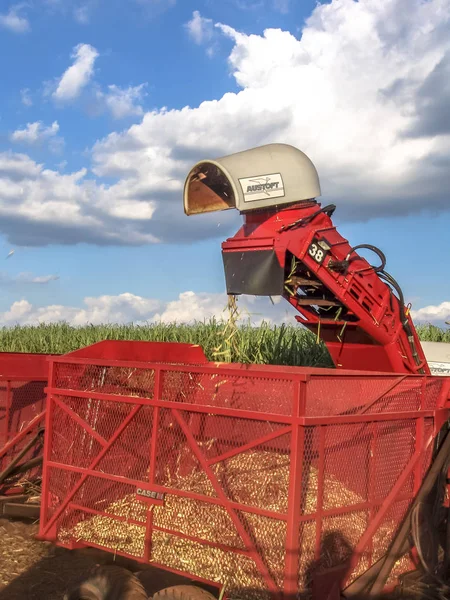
(183, 592)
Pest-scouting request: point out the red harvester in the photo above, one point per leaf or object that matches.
(257, 481)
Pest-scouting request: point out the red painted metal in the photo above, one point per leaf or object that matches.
(23, 378)
(365, 329)
(292, 474)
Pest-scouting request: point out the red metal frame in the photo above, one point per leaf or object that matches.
(22, 406)
(335, 426)
(366, 333)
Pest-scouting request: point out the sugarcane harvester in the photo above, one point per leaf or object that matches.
(288, 246)
(262, 481)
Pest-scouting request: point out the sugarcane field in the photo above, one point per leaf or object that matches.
(35, 569)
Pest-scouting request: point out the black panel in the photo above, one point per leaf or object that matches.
(254, 273)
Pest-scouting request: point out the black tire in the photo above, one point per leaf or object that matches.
(183, 592)
(108, 583)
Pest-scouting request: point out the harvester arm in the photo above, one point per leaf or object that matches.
(289, 246)
(356, 308)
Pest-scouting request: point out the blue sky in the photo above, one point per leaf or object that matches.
(105, 105)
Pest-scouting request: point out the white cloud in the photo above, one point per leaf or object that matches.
(350, 93)
(25, 97)
(192, 307)
(130, 308)
(104, 309)
(36, 203)
(123, 102)
(14, 21)
(27, 278)
(35, 132)
(199, 28)
(38, 279)
(78, 75)
(330, 94)
(432, 313)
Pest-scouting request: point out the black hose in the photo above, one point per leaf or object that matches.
(328, 210)
(380, 270)
(405, 322)
(374, 249)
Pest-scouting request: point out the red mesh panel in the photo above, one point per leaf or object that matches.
(368, 395)
(27, 401)
(346, 464)
(258, 477)
(229, 391)
(108, 379)
(352, 394)
(395, 443)
(261, 487)
(308, 555)
(21, 402)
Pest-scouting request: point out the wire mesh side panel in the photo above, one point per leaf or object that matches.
(21, 402)
(224, 477)
(362, 394)
(367, 475)
(108, 379)
(194, 470)
(370, 467)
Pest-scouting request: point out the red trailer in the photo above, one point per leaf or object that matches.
(263, 481)
(23, 378)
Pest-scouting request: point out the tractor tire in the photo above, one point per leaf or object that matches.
(108, 583)
(183, 592)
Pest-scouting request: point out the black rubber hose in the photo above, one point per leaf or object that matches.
(328, 210)
(374, 249)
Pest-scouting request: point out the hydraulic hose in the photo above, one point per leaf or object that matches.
(344, 265)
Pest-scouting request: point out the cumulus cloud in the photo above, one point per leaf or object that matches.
(35, 132)
(130, 308)
(432, 114)
(123, 102)
(190, 307)
(331, 93)
(14, 21)
(354, 93)
(432, 313)
(78, 75)
(202, 32)
(199, 28)
(123, 308)
(38, 205)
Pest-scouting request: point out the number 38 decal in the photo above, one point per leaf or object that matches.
(316, 252)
